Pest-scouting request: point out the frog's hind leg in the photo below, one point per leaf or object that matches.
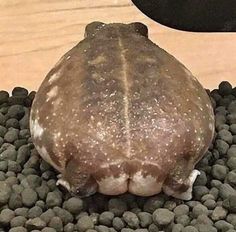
(77, 179)
(179, 182)
(63, 182)
(179, 188)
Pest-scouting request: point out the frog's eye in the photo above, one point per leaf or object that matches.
(139, 28)
(91, 28)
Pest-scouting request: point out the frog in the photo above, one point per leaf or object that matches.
(119, 114)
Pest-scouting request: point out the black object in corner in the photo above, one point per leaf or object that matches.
(192, 15)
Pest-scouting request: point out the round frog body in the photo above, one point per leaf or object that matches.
(119, 114)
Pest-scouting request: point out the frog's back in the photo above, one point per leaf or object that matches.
(116, 106)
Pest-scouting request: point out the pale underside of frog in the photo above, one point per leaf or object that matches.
(118, 114)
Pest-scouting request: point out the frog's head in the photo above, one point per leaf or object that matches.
(97, 27)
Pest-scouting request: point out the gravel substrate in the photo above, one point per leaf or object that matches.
(31, 201)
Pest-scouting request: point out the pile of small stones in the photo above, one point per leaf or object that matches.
(31, 201)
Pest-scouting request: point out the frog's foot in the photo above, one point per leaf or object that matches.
(181, 190)
(63, 182)
(59, 176)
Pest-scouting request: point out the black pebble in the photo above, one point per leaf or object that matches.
(3, 119)
(12, 122)
(4, 95)
(11, 135)
(16, 100)
(15, 201)
(20, 91)
(225, 88)
(3, 130)
(16, 111)
(231, 118)
(29, 190)
(225, 135)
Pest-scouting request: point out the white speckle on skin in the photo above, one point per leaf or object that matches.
(57, 135)
(58, 102)
(54, 77)
(113, 94)
(98, 60)
(52, 93)
(36, 129)
(211, 126)
(114, 163)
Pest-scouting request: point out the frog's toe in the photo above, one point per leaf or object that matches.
(184, 190)
(63, 182)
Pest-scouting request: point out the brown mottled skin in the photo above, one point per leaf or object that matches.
(122, 106)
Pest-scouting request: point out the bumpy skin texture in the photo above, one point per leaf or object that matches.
(117, 113)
